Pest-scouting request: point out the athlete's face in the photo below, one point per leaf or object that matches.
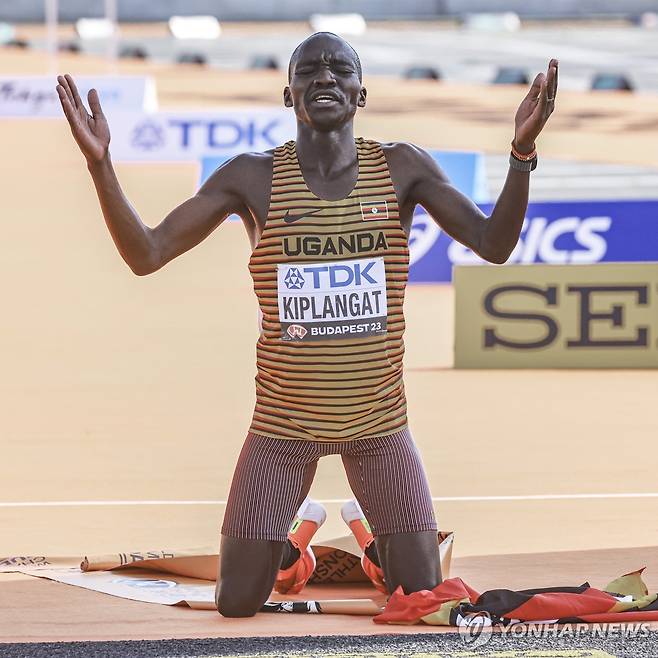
(324, 87)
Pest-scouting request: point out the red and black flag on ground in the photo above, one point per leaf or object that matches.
(453, 603)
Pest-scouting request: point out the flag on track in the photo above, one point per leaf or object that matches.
(452, 603)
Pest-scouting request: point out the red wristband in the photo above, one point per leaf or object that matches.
(523, 157)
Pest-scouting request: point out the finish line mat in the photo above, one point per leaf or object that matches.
(187, 577)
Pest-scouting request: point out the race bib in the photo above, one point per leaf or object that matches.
(341, 299)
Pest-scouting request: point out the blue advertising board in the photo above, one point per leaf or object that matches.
(553, 232)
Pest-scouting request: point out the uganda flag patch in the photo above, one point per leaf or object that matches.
(374, 210)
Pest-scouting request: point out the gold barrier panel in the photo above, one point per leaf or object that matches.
(557, 316)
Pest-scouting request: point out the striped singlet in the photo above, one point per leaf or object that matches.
(330, 279)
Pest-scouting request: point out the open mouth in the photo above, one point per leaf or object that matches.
(324, 99)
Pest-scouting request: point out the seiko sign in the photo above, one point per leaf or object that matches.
(557, 316)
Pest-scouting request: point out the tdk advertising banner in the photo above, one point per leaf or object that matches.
(553, 233)
(167, 136)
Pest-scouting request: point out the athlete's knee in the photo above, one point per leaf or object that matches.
(247, 572)
(235, 602)
(410, 560)
(229, 607)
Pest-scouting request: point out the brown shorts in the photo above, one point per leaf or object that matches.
(273, 476)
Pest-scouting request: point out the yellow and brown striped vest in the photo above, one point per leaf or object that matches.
(330, 279)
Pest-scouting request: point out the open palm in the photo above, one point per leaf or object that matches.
(91, 131)
(535, 109)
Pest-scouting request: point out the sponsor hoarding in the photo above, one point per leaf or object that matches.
(549, 316)
(35, 96)
(190, 135)
(554, 233)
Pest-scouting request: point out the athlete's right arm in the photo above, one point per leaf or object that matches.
(146, 249)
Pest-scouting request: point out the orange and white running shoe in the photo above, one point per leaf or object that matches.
(356, 520)
(310, 516)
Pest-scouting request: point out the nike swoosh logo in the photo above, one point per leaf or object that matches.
(289, 219)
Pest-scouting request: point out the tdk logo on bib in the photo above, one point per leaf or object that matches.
(294, 279)
(341, 299)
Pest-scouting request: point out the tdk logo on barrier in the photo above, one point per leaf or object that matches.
(206, 133)
(331, 276)
(224, 133)
(148, 135)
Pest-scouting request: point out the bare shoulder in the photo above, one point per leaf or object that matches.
(405, 153)
(400, 149)
(241, 173)
(256, 161)
(409, 166)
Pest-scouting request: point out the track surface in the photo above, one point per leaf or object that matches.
(443, 646)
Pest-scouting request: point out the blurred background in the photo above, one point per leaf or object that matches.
(126, 400)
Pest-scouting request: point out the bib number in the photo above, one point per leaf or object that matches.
(325, 301)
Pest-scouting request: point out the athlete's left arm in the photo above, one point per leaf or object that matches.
(493, 238)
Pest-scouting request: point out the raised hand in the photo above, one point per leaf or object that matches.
(535, 109)
(91, 132)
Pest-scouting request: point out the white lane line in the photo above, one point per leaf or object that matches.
(327, 501)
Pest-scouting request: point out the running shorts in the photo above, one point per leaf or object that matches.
(273, 476)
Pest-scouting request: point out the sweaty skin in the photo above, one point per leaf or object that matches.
(328, 158)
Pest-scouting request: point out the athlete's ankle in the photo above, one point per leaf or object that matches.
(298, 561)
(290, 555)
(373, 554)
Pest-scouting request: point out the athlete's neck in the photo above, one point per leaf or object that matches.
(326, 153)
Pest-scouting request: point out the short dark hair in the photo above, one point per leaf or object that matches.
(295, 53)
